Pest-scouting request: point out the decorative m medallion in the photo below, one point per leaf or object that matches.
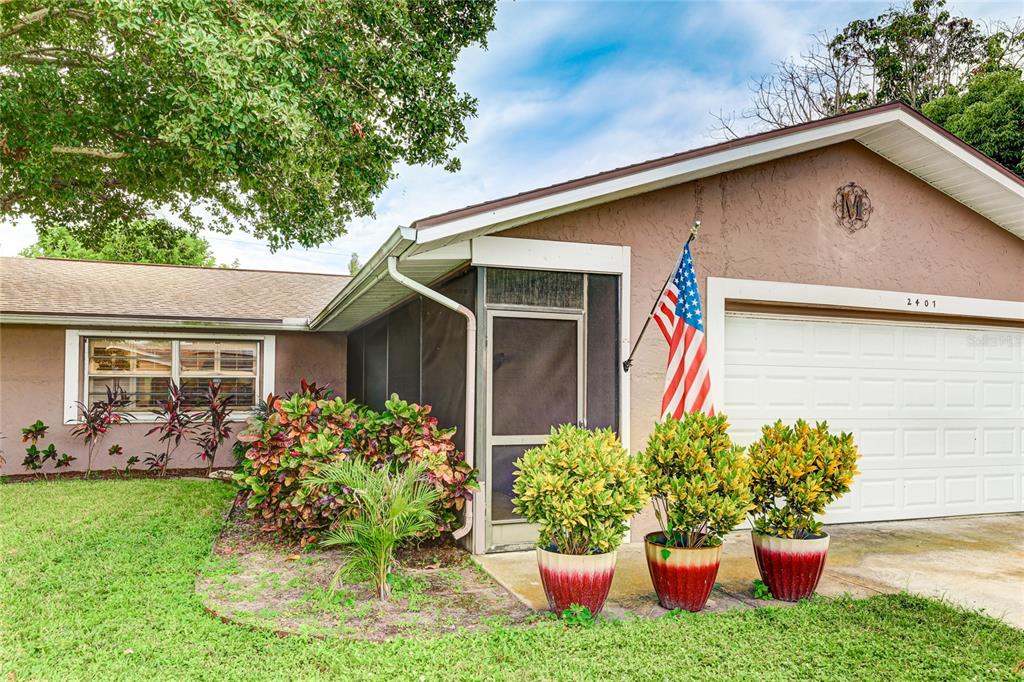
(852, 207)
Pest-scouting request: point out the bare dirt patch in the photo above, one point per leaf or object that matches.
(258, 580)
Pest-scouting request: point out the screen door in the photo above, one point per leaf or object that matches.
(536, 380)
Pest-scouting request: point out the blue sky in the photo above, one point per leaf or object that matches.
(571, 88)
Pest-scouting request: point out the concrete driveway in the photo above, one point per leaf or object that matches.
(975, 561)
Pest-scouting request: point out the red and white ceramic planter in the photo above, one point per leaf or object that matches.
(583, 579)
(791, 568)
(682, 576)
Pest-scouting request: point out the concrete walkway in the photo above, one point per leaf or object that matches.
(976, 561)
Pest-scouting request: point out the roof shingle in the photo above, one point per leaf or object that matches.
(70, 287)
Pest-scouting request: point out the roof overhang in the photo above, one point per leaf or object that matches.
(441, 244)
(895, 132)
(132, 322)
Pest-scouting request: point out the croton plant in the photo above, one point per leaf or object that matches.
(303, 432)
(699, 480)
(799, 470)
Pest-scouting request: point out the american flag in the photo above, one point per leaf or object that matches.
(678, 314)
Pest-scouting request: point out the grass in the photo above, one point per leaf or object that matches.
(96, 583)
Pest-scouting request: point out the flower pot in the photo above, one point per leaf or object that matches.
(682, 576)
(582, 579)
(790, 567)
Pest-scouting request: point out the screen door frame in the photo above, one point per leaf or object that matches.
(512, 533)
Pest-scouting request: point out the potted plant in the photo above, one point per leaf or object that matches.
(797, 471)
(700, 485)
(582, 487)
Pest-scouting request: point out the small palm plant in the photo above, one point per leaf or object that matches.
(390, 507)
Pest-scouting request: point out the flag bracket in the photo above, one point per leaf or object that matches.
(693, 235)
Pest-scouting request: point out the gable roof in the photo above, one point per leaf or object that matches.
(165, 293)
(436, 245)
(894, 131)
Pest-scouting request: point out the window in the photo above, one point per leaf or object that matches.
(145, 367)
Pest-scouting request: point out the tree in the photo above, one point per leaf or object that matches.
(989, 114)
(353, 264)
(285, 119)
(140, 241)
(911, 54)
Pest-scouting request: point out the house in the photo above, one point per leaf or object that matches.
(866, 269)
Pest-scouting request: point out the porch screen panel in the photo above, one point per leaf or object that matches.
(534, 375)
(404, 352)
(375, 360)
(536, 288)
(603, 360)
(503, 459)
(354, 367)
(444, 355)
(139, 367)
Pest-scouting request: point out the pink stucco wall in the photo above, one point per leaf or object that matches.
(32, 387)
(775, 222)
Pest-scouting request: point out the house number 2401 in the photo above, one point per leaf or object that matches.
(921, 302)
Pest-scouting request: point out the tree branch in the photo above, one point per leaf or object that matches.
(40, 15)
(88, 151)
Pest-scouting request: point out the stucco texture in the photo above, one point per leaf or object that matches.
(775, 222)
(32, 387)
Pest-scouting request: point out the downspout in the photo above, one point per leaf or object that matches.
(437, 297)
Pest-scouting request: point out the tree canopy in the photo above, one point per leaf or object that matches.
(917, 53)
(284, 118)
(138, 241)
(989, 114)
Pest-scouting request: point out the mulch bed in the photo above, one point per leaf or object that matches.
(107, 474)
(260, 580)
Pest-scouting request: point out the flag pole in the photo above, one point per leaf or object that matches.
(693, 235)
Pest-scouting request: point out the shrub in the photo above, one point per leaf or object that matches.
(97, 418)
(36, 458)
(699, 480)
(798, 471)
(306, 431)
(213, 423)
(174, 422)
(582, 487)
(391, 504)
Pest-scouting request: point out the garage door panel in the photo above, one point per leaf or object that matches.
(937, 411)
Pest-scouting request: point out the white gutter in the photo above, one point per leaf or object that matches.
(427, 292)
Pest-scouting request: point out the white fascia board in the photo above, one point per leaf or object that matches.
(290, 324)
(374, 269)
(449, 252)
(540, 254)
(656, 178)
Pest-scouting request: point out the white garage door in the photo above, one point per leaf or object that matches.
(937, 410)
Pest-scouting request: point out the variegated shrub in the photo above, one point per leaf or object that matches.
(582, 487)
(699, 480)
(799, 470)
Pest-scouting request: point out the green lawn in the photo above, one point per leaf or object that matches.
(96, 583)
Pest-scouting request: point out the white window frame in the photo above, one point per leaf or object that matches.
(74, 359)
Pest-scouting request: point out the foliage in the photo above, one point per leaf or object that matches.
(36, 458)
(392, 504)
(762, 591)
(308, 430)
(127, 553)
(174, 423)
(699, 480)
(286, 119)
(912, 53)
(578, 615)
(213, 427)
(96, 419)
(354, 266)
(798, 471)
(988, 114)
(582, 487)
(136, 241)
